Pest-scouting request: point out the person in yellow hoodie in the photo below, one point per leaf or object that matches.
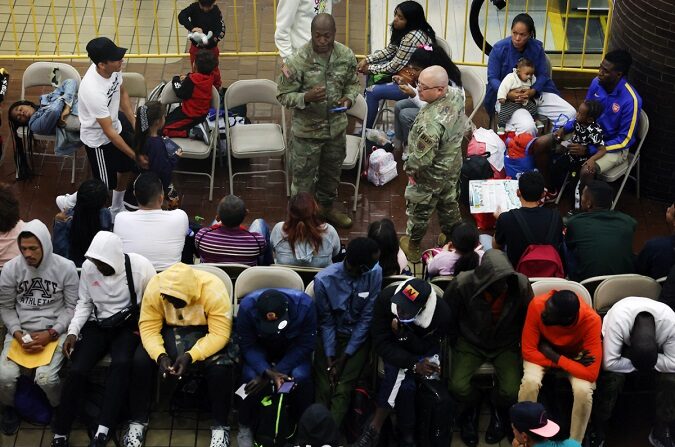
(185, 323)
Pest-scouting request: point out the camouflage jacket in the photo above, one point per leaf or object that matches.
(338, 75)
(435, 141)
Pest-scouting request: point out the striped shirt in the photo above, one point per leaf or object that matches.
(229, 245)
(393, 58)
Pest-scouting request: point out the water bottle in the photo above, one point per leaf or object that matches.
(390, 134)
(436, 360)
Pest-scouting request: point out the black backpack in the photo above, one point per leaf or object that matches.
(475, 167)
(275, 426)
(433, 414)
(361, 408)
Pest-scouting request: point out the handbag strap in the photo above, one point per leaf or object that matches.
(130, 282)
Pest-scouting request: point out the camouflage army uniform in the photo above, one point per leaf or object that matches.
(434, 162)
(318, 142)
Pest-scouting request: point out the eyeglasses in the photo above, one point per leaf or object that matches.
(421, 87)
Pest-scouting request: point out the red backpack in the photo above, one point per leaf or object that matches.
(539, 260)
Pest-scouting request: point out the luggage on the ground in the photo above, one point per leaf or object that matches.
(275, 426)
(433, 414)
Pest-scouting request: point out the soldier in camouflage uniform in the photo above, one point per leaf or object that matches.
(321, 76)
(435, 159)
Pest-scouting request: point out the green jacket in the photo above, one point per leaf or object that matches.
(338, 75)
(435, 141)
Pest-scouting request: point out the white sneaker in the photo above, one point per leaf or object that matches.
(134, 435)
(244, 437)
(404, 155)
(220, 437)
(66, 202)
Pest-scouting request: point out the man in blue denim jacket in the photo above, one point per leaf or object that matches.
(345, 295)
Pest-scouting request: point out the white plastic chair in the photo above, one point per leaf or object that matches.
(261, 277)
(617, 287)
(134, 85)
(195, 149)
(632, 161)
(547, 284)
(260, 139)
(356, 145)
(39, 74)
(475, 87)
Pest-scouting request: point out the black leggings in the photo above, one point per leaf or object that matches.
(94, 345)
(219, 382)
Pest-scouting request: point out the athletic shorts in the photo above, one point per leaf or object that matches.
(106, 161)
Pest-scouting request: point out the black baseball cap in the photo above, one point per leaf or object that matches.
(411, 297)
(102, 49)
(531, 416)
(272, 307)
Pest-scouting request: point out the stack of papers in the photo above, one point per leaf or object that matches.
(488, 196)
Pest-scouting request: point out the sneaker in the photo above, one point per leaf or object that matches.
(661, 437)
(99, 440)
(368, 438)
(10, 421)
(335, 218)
(501, 130)
(244, 436)
(199, 132)
(411, 249)
(60, 442)
(405, 154)
(220, 437)
(66, 202)
(134, 435)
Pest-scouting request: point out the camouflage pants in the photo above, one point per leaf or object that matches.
(317, 166)
(421, 201)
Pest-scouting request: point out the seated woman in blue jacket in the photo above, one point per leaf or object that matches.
(277, 336)
(503, 59)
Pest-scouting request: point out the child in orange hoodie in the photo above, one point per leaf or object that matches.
(562, 331)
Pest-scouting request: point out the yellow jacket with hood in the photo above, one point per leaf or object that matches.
(208, 304)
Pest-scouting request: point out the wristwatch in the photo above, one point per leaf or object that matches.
(53, 334)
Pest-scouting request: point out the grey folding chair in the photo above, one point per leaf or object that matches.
(356, 145)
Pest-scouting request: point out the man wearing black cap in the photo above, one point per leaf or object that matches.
(277, 330)
(562, 332)
(532, 427)
(409, 324)
(345, 295)
(101, 97)
(639, 336)
(487, 310)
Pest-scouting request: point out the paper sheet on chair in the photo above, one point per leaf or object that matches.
(486, 196)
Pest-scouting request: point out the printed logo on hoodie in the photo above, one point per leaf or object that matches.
(36, 292)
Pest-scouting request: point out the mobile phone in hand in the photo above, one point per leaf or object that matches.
(286, 387)
(338, 109)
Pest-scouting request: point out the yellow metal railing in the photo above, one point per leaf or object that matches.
(59, 29)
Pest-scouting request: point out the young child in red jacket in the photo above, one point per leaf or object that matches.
(195, 91)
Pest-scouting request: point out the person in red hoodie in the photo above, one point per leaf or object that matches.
(562, 331)
(195, 91)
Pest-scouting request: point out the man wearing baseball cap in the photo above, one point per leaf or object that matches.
(277, 330)
(409, 324)
(532, 427)
(107, 135)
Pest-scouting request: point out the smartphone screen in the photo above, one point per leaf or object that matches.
(286, 387)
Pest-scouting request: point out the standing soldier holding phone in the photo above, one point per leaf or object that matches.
(321, 78)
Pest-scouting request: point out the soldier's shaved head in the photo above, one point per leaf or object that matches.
(434, 76)
(323, 20)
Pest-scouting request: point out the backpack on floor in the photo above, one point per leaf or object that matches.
(31, 403)
(539, 260)
(474, 167)
(361, 408)
(275, 426)
(433, 414)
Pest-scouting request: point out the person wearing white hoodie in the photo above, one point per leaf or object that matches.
(294, 20)
(105, 290)
(38, 292)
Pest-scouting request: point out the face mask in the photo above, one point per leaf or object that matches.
(364, 269)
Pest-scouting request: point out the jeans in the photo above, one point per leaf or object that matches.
(260, 226)
(43, 121)
(46, 377)
(582, 390)
(95, 343)
(377, 92)
(405, 112)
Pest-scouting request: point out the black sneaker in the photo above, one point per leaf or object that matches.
(99, 440)
(60, 442)
(10, 421)
(368, 438)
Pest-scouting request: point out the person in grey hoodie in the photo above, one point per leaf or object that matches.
(38, 293)
(104, 291)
